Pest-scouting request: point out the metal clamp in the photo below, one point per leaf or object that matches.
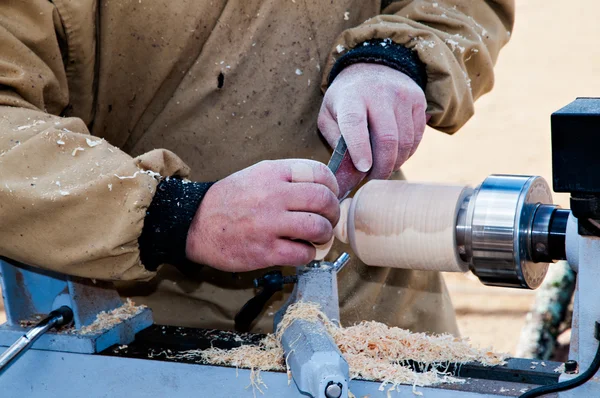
(316, 363)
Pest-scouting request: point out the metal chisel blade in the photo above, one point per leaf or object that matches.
(341, 165)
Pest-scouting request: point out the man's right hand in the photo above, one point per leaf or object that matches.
(264, 215)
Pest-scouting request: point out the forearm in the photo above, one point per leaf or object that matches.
(71, 202)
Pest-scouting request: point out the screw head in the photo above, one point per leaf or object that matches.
(333, 390)
(571, 366)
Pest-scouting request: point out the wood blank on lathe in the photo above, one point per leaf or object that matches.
(404, 225)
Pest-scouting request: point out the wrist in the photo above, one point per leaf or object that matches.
(383, 52)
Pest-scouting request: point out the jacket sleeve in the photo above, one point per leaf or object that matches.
(69, 202)
(457, 41)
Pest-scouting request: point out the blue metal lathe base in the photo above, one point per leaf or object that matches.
(121, 333)
(52, 374)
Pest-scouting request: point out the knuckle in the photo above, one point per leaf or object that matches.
(387, 139)
(319, 196)
(283, 251)
(288, 253)
(269, 167)
(361, 147)
(405, 147)
(311, 225)
(420, 103)
(316, 227)
(332, 207)
(401, 94)
(331, 200)
(327, 231)
(322, 170)
(305, 255)
(352, 119)
(324, 228)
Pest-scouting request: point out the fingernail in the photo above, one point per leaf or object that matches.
(363, 165)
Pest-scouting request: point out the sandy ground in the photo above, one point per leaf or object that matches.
(551, 59)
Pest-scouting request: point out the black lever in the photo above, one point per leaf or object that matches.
(269, 284)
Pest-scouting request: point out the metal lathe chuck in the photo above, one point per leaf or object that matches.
(505, 231)
(508, 231)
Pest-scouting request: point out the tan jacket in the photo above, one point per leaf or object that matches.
(143, 74)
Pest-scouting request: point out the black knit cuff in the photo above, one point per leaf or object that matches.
(167, 221)
(384, 52)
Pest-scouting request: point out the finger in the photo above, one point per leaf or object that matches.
(290, 253)
(406, 134)
(308, 227)
(310, 171)
(384, 138)
(314, 198)
(352, 121)
(420, 122)
(328, 126)
(323, 250)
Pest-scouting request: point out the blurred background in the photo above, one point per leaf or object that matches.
(552, 58)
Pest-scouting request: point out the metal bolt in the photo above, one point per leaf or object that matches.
(333, 390)
(540, 247)
(341, 261)
(571, 366)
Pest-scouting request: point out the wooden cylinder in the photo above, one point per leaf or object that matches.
(404, 225)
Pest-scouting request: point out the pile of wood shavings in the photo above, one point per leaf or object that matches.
(105, 320)
(374, 351)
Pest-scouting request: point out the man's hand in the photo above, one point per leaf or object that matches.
(265, 215)
(381, 114)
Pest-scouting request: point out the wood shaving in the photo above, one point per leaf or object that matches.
(91, 143)
(151, 173)
(77, 150)
(35, 123)
(27, 323)
(105, 320)
(373, 350)
(560, 369)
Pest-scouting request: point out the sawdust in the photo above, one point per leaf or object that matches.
(27, 323)
(105, 320)
(560, 369)
(374, 351)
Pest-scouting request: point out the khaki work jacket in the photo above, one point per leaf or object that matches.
(89, 89)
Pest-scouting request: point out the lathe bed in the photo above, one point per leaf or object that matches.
(167, 343)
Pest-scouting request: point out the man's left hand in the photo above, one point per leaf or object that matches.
(379, 111)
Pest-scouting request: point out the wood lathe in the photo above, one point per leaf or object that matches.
(506, 231)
